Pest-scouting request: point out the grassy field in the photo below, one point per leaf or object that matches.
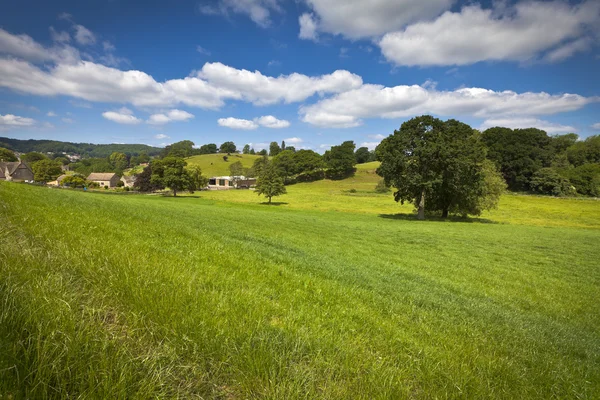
(329, 294)
(214, 165)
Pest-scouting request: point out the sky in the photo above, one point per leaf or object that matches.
(311, 72)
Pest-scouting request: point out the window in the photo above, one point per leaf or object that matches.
(221, 182)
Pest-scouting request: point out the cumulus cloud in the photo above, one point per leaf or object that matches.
(51, 114)
(23, 46)
(236, 123)
(122, 116)
(596, 126)
(170, 116)
(61, 37)
(518, 33)
(83, 35)
(308, 27)
(258, 11)
(379, 136)
(68, 120)
(370, 145)
(359, 19)
(527, 122)
(269, 121)
(345, 110)
(293, 140)
(15, 120)
(161, 136)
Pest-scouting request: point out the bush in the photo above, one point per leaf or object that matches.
(585, 179)
(548, 181)
(352, 190)
(382, 187)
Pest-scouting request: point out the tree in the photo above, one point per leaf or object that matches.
(587, 151)
(269, 183)
(198, 181)
(340, 160)
(228, 147)
(74, 181)
(548, 181)
(362, 155)
(283, 145)
(7, 155)
(46, 170)
(260, 165)
(143, 181)
(560, 143)
(285, 164)
(236, 169)
(32, 157)
(252, 151)
(438, 164)
(210, 148)
(170, 172)
(263, 152)
(307, 160)
(246, 149)
(518, 153)
(182, 149)
(119, 161)
(274, 149)
(585, 178)
(291, 148)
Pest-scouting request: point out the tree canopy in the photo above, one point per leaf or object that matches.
(269, 182)
(228, 147)
(33, 156)
(7, 155)
(438, 166)
(274, 149)
(340, 160)
(210, 148)
(46, 170)
(171, 172)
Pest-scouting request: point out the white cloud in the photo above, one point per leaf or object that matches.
(61, 37)
(108, 46)
(236, 123)
(308, 27)
(370, 145)
(15, 120)
(596, 126)
(262, 90)
(345, 110)
(358, 18)
(527, 122)
(518, 33)
(161, 136)
(83, 35)
(23, 46)
(269, 121)
(379, 136)
(68, 120)
(293, 140)
(122, 116)
(202, 50)
(170, 116)
(258, 11)
(51, 114)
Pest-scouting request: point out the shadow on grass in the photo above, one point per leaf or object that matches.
(274, 203)
(413, 217)
(170, 195)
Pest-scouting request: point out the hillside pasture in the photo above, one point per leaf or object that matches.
(109, 296)
(214, 165)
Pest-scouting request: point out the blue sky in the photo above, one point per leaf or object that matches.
(311, 72)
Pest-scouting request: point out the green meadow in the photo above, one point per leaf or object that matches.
(333, 292)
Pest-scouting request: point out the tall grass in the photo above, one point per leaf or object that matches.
(118, 297)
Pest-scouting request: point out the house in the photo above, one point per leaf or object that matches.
(57, 181)
(230, 182)
(17, 171)
(128, 181)
(104, 179)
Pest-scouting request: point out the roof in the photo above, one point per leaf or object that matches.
(101, 176)
(12, 167)
(128, 178)
(228, 177)
(60, 178)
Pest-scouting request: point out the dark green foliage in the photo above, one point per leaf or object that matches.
(437, 166)
(259, 166)
(225, 158)
(62, 160)
(246, 149)
(252, 151)
(32, 157)
(182, 149)
(560, 143)
(291, 148)
(7, 155)
(46, 170)
(263, 152)
(340, 160)
(170, 172)
(236, 169)
(84, 149)
(283, 145)
(549, 181)
(210, 148)
(269, 182)
(144, 183)
(518, 153)
(74, 181)
(274, 149)
(228, 147)
(284, 163)
(587, 151)
(362, 155)
(89, 165)
(585, 179)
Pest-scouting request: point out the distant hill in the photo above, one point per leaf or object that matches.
(214, 165)
(84, 149)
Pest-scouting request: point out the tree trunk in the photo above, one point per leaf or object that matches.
(445, 212)
(421, 213)
(174, 193)
(269, 199)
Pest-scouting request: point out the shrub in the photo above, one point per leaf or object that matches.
(382, 187)
(352, 190)
(548, 181)
(585, 179)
